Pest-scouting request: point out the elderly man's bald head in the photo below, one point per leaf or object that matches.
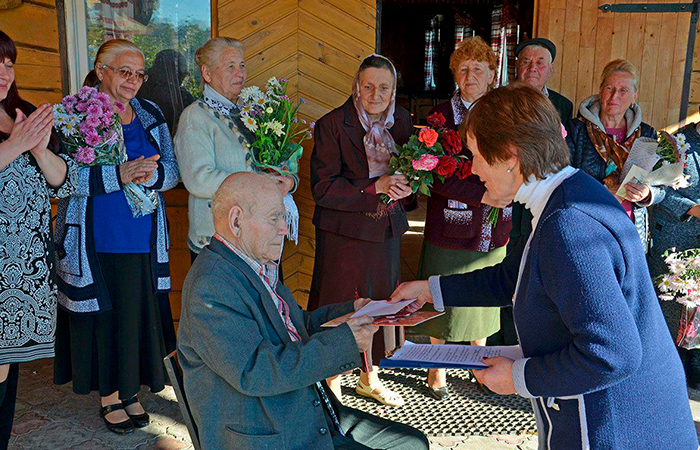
(243, 189)
(249, 212)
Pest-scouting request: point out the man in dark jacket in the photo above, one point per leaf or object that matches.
(534, 66)
(252, 358)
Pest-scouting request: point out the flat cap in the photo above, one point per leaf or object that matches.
(542, 42)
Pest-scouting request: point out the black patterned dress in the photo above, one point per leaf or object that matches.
(27, 280)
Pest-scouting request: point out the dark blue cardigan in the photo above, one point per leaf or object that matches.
(602, 366)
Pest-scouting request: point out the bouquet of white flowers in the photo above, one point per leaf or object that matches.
(682, 284)
(276, 149)
(272, 118)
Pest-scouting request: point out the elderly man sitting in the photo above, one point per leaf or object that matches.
(252, 359)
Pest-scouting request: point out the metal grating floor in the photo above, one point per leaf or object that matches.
(467, 411)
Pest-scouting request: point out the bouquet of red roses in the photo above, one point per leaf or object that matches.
(435, 152)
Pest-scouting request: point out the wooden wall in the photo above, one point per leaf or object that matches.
(317, 45)
(34, 28)
(588, 38)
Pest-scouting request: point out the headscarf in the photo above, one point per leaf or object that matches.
(379, 144)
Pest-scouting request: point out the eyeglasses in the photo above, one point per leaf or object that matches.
(127, 74)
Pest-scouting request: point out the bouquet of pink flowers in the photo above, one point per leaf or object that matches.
(433, 153)
(91, 132)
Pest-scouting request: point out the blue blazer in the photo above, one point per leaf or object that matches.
(602, 369)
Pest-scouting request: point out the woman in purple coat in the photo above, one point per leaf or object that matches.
(358, 236)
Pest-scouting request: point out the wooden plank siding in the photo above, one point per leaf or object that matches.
(34, 28)
(587, 39)
(303, 41)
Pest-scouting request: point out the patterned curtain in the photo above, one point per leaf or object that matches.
(432, 36)
(122, 18)
(463, 30)
(505, 34)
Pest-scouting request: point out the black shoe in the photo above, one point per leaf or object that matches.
(125, 427)
(440, 393)
(140, 420)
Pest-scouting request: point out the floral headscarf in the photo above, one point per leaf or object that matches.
(379, 144)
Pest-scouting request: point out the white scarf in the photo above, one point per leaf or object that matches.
(534, 194)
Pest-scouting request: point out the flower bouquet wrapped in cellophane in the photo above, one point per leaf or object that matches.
(682, 284)
(434, 153)
(658, 162)
(271, 117)
(92, 134)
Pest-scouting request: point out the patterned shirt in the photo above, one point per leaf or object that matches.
(269, 275)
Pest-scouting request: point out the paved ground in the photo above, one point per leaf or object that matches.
(50, 417)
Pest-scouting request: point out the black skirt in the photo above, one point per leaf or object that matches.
(117, 350)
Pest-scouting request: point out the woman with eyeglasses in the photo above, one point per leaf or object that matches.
(111, 266)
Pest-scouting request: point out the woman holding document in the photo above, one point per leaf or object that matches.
(603, 135)
(594, 341)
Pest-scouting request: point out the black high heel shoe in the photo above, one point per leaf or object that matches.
(124, 427)
(139, 420)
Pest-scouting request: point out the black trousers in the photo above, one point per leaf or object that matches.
(8, 397)
(364, 431)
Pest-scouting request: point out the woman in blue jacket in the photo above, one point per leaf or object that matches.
(112, 267)
(594, 341)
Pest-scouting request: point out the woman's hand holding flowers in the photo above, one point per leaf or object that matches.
(285, 182)
(395, 186)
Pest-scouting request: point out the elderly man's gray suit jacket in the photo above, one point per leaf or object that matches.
(249, 386)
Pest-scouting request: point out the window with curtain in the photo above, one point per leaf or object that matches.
(167, 31)
(505, 36)
(432, 39)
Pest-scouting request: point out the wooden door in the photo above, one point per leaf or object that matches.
(317, 45)
(588, 38)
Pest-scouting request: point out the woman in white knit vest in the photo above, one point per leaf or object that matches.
(210, 143)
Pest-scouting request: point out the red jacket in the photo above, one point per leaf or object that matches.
(462, 229)
(346, 202)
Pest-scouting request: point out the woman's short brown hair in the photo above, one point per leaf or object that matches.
(472, 48)
(518, 120)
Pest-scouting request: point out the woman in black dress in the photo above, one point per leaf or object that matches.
(30, 174)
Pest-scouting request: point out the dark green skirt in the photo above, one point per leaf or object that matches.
(459, 324)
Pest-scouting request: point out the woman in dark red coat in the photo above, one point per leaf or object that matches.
(358, 236)
(458, 236)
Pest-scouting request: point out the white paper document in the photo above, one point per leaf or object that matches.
(453, 354)
(382, 308)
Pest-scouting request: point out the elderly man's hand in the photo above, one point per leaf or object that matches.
(498, 376)
(363, 330)
(360, 303)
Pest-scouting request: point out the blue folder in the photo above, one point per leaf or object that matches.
(402, 364)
